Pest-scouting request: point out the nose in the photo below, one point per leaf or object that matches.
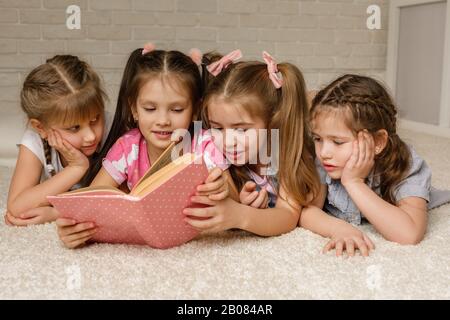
(326, 151)
(88, 135)
(163, 119)
(230, 139)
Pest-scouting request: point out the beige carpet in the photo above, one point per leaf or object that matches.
(232, 265)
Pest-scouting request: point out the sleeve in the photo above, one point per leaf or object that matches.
(321, 171)
(212, 156)
(115, 162)
(33, 142)
(418, 181)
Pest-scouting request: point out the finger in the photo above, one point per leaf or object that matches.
(361, 149)
(362, 247)
(28, 214)
(64, 222)
(355, 154)
(201, 225)
(265, 203)
(214, 174)
(249, 186)
(18, 221)
(370, 147)
(202, 200)
(369, 242)
(251, 197)
(73, 230)
(330, 245)
(80, 241)
(211, 186)
(339, 247)
(79, 235)
(7, 222)
(222, 188)
(219, 196)
(67, 147)
(198, 212)
(260, 199)
(51, 138)
(58, 139)
(350, 247)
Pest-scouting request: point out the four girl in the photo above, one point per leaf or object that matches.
(343, 156)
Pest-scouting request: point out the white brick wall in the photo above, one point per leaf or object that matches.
(323, 37)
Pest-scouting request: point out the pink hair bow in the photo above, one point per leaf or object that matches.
(148, 47)
(216, 67)
(274, 74)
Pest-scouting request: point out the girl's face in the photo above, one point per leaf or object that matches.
(85, 136)
(235, 132)
(161, 108)
(333, 142)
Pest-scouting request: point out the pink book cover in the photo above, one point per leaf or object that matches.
(156, 219)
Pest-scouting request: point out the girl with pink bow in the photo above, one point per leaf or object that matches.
(241, 101)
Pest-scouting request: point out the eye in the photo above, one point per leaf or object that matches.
(316, 139)
(73, 129)
(149, 108)
(338, 142)
(95, 119)
(178, 110)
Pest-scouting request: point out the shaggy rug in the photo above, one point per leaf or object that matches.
(234, 264)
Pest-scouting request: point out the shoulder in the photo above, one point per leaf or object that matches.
(132, 137)
(32, 141)
(417, 182)
(418, 165)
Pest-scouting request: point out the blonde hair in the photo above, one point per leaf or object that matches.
(63, 90)
(286, 109)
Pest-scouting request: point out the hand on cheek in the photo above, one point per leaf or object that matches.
(361, 160)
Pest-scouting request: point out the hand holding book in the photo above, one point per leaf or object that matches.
(150, 214)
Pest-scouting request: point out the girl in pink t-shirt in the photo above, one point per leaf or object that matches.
(159, 96)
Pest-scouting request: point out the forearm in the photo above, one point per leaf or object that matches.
(267, 222)
(391, 222)
(36, 196)
(316, 220)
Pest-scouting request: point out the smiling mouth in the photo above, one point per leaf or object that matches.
(162, 134)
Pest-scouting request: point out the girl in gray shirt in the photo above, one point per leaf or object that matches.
(367, 172)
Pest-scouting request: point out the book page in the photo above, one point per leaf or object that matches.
(106, 189)
(154, 181)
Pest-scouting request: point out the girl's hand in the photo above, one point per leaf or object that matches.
(73, 156)
(215, 187)
(361, 161)
(221, 215)
(252, 197)
(349, 238)
(33, 216)
(74, 234)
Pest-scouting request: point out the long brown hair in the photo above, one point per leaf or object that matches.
(366, 104)
(286, 109)
(63, 90)
(138, 70)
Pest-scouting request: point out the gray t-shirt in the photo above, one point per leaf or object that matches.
(416, 184)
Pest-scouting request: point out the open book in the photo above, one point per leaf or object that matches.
(150, 214)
